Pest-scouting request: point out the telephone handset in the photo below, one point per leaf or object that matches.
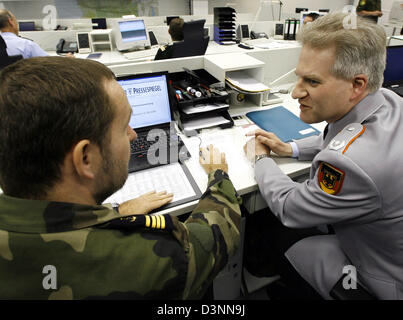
(66, 46)
(257, 35)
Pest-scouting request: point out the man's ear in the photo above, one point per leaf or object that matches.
(360, 83)
(85, 158)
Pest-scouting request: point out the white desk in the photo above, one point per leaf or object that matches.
(111, 58)
(231, 141)
(241, 172)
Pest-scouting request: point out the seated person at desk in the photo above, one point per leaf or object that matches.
(64, 148)
(16, 45)
(354, 183)
(176, 32)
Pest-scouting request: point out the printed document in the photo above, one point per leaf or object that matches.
(170, 178)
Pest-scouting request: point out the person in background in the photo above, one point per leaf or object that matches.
(64, 149)
(16, 45)
(370, 9)
(310, 17)
(354, 182)
(176, 32)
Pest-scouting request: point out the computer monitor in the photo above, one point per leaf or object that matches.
(148, 96)
(131, 34)
(26, 25)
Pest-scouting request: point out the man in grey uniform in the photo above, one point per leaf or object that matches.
(357, 165)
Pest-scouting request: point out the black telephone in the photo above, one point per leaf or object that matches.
(66, 46)
(257, 35)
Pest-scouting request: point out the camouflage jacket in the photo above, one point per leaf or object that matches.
(54, 250)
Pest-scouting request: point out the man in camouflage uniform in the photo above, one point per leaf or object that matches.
(176, 32)
(64, 148)
(370, 9)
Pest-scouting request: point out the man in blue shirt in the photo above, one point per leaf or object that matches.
(15, 45)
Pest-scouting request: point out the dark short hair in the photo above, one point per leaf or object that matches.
(47, 105)
(4, 16)
(313, 15)
(176, 29)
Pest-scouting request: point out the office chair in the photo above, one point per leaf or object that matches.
(5, 59)
(194, 41)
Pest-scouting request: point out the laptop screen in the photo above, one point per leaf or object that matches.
(149, 99)
(394, 66)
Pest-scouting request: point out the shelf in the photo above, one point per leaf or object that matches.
(101, 40)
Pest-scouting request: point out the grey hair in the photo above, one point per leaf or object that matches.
(4, 16)
(359, 50)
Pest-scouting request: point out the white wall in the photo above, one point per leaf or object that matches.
(288, 8)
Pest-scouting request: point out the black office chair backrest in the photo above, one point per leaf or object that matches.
(5, 59)
(3, 46)
(194, 41)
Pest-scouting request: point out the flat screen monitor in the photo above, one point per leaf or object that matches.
(148, 97)
(26, 25)
(131, 34)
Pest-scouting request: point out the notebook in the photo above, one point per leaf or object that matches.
(151, 119)
(393, 75)
(283, 123)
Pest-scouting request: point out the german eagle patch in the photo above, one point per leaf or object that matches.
(330, 178)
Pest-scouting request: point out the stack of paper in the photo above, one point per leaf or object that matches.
(242, 82)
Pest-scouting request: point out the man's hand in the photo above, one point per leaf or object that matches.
(212, 159)
(271, 141)
(145, 203)
(255, 148)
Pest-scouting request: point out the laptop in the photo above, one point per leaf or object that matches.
(157, 142)
(393, 75)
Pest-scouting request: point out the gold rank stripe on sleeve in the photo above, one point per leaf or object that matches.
(157, 222)
(154, 222)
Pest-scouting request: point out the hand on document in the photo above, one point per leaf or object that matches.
(264, 142)
(212, 159)
(145, 203)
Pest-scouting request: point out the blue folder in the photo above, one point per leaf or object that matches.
(283, 123)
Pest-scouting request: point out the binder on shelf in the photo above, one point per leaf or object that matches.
(283, 123)
(287, 29)
(224, 25)
(291, 28)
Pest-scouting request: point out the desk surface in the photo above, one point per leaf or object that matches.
(231, 141)
(115, 57)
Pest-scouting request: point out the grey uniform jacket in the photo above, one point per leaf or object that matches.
(355, 185)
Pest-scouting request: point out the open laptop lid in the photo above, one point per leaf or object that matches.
(149, 98)
(393, 74)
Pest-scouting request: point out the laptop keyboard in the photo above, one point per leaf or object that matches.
(141, 145)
